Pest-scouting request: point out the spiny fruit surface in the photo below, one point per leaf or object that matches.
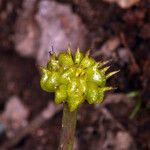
(75, 79)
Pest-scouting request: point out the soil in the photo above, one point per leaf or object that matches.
(95, 130)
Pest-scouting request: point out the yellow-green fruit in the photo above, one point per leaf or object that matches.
(49, 81)
(75, 94)
(94, 75)
(53, 63)
(65, 59)
(54, 79)
(92, 94)
(82, 85)
(101, 96)
(73, 87)
(44, 78)
(66, 75)
(101, 92)
(74, 101)
(80, 71)
(61, 94)
(87, 61)
(78, 56)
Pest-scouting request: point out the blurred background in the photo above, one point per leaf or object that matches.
(113, 29)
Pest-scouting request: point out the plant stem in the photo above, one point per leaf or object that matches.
(68, 129)
(136, 109)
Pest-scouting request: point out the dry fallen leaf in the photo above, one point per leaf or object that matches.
(124, 3)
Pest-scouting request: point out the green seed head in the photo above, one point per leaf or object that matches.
(75, 79)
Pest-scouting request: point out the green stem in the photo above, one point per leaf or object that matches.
(68, 129)
(136, 109)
